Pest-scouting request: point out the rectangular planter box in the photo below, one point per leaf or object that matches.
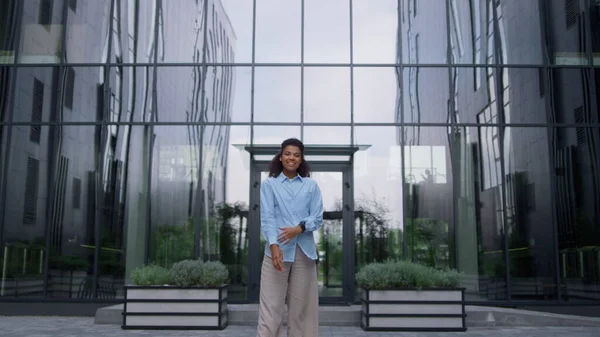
(431, 309)
(172, 307)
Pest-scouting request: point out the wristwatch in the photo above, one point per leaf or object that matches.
(303, 226)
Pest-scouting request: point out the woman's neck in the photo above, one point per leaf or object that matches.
(290, 174)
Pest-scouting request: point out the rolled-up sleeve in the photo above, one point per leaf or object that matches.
(314, 221)
(267, 213)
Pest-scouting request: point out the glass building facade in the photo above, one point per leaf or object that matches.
(456, 133)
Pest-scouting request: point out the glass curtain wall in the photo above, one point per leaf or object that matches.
(121, 120)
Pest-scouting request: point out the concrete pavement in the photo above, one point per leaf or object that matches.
(28, 326)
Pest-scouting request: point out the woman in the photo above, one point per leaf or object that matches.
(291, 209)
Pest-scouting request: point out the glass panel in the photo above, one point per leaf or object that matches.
(570, 91)
(327, 94)
(131, 94)
(429, 199)
(87, 31)
(426, 95)
(376, 95)
(524, 93)
(326, 31)
(529, 223)
(136, 157)
(576, 164)
(62, 207)
(480, 221)
(329, 238)
(233, 214)
(180, 94)
(378, 215)
(6, 75)
(424, 32)
(76, 94)
(124, 187)
(327, 135)
(41, 32)
(181, 31)
(278, 31)
(375, 18)
(515, 27)
(520, 31)
(186, 18)
(239, 14)
(274, 135)
(8, 38)
(134, 31)
(240, 97)
(565, 26)
(277, 94)
(468, 31)
(174, 178)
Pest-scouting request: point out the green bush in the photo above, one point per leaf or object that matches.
(187, 273)
(404, 274)
(151, 275)
(214, 274)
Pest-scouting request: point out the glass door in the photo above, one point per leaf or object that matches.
(334, 248)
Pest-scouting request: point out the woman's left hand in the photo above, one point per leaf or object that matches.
(288, 233)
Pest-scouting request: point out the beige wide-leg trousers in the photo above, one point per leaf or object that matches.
(298, 281)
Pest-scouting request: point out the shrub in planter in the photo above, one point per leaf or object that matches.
(151, 276)
(190, 295)
(405, 296)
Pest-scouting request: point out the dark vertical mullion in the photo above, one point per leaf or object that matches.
(302, 69)
(401, 140)
(452, 140)
(253, 226)
(100, 162)
(58, 78)
(351, 73)
(349, 286)
(11, 88)
(253, 73)
(550, 136)
(150, 129)
(348, 219)
(502, 129)
(198, 222)
(586, 15)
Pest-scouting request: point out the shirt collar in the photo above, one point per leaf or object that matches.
(281, 177)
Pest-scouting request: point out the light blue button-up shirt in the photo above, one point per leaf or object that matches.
(285, 203)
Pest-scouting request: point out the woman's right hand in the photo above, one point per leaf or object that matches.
(277, 257)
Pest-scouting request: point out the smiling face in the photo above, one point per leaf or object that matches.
(291, 158)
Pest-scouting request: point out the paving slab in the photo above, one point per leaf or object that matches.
(48, 326)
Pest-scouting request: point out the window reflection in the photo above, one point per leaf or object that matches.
(87, 30)
(375, 18)
(277, 94)
(38, 98)
(326, 94)
(326, 31)
(195, 94)
(416, 100)
(278, 31)
(41, 31)
(577, 213)
(375, 94)
(423, 32)
(378, 212)
(52, 223)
